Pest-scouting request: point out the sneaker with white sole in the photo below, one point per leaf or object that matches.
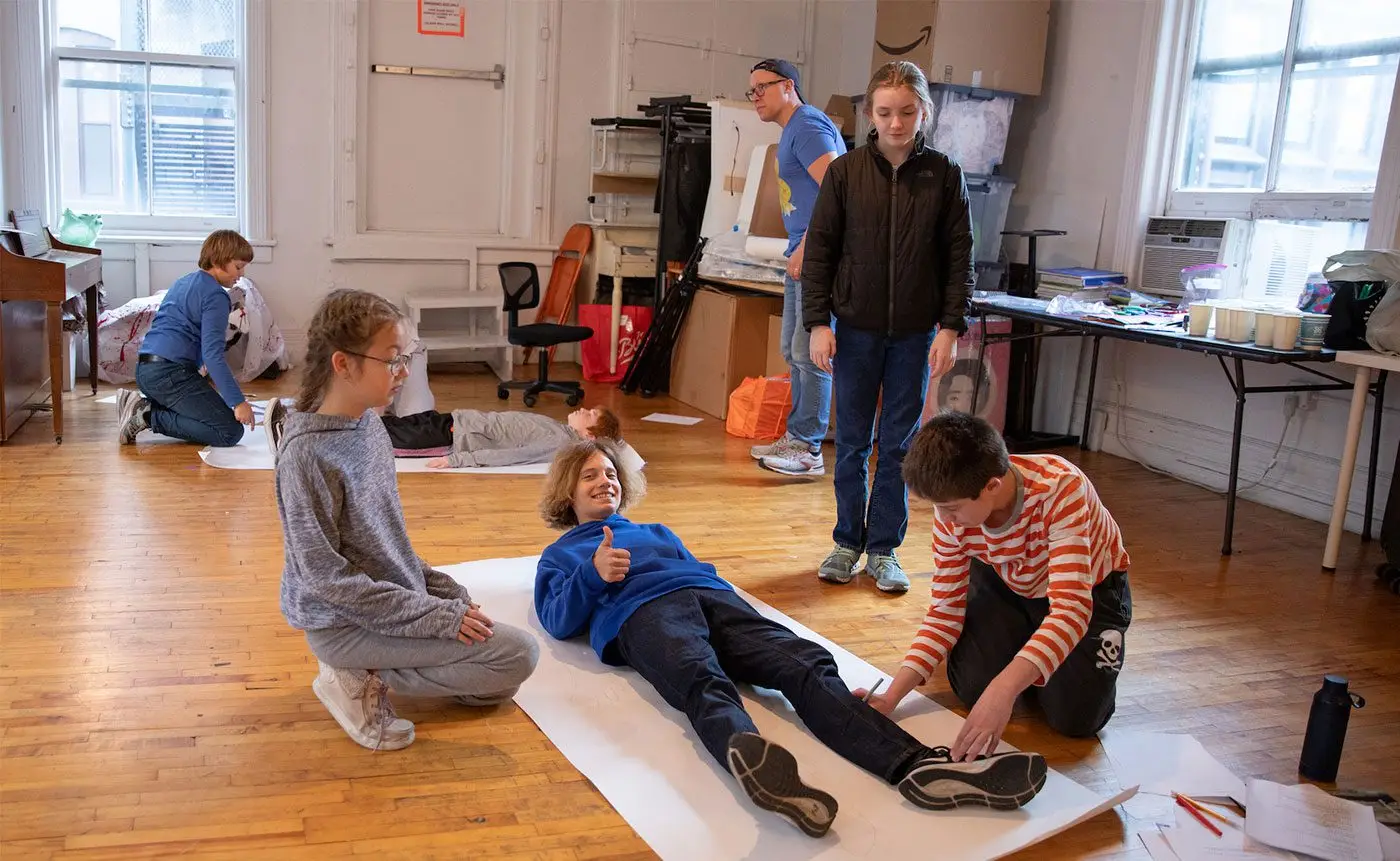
(797, 462)
(273, 422)
(132, 415)
(779, 446)
(1002, 781)
(885, 568)
(359, 702)
(768, 774)
(839, 565)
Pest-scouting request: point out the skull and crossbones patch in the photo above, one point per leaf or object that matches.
(1110, 655)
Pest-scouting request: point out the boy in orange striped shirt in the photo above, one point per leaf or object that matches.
(1030, 588)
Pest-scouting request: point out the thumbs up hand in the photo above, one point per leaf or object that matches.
(612, 563)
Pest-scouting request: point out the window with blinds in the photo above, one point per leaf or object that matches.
(145, 105)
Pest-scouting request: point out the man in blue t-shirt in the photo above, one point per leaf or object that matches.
(809, 143)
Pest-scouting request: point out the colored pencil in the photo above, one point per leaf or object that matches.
(1210, 826)
(1201, 807)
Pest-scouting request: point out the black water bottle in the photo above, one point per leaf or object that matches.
(1327, 729)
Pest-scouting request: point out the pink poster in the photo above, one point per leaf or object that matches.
(953, 391)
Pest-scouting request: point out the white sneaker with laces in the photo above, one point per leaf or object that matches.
(777, 446)
(359, 702)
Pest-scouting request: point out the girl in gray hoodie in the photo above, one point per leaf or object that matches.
(376, 615)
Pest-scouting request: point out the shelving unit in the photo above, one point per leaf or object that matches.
(624, 173)
(485, 332)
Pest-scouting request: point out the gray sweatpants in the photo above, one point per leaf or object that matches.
(477, 674)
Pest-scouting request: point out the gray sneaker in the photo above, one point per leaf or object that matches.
(131, 415)
(889, 577)
(839, 565)
(779, 446)
(796, 461)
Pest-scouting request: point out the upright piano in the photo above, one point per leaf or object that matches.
(32, 291)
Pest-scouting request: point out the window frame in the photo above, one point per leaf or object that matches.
(1251, 205)
(39, 56)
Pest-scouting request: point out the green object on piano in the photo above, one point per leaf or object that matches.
(80, 229)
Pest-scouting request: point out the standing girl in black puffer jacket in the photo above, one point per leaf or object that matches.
(886, 279)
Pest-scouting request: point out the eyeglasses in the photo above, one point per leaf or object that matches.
(755, 92)
(396, 365)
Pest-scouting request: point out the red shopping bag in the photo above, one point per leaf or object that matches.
(597, 350)
(758, 409)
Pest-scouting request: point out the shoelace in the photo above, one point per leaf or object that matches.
(883, 561)
(384, 713)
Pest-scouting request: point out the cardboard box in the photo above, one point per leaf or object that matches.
(842, 111)
(767, 217)
(989, 44)
(775, 366)
(724, 340)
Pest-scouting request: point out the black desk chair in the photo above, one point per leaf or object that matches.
(521, 284)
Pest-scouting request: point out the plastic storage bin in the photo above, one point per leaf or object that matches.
(990, 197)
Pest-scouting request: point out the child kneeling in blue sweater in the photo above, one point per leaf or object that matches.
(646, 602)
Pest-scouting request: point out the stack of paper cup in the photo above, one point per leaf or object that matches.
(1199, 319)
(1286, 327)
(1264, 328)
(1313, 331)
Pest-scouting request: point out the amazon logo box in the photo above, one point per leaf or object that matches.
(987, 44)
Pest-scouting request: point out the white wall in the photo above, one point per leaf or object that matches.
(842, 44)
(302, 153)
(1177, 408)
(7, 115)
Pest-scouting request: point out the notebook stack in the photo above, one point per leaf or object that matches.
(1070, 280)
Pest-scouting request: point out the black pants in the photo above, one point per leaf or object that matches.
(694, 644)
(420, 430)
(1079, 698)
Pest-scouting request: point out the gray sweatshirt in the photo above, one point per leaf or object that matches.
(348, 558)
(505, 438)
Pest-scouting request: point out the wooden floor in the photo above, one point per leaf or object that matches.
(156, 703)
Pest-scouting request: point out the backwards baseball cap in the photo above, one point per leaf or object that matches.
(783, 69)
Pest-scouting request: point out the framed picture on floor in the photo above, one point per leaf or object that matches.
(974, 371)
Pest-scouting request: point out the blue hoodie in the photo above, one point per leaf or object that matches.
(571, 598)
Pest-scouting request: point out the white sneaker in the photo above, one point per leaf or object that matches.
(796, 461)
(780, 446)
(359, 702)
(273, 421)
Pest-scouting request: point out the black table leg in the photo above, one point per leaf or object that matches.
(92, 335)
(1375, 455)
(1238, 384)
(1089, 399)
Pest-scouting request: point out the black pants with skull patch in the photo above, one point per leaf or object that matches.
(1079, 698)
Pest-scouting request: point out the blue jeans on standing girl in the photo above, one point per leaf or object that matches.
(867, 365)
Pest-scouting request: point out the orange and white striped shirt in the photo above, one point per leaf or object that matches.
(1060, 544)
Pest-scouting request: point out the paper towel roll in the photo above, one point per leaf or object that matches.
(765, 247)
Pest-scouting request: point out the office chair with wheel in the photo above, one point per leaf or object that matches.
(521, 284)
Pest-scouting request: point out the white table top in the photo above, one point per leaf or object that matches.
(1368, 359)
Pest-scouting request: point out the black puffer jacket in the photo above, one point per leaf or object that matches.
(889, 250)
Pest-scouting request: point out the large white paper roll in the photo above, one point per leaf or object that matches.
(765, 247)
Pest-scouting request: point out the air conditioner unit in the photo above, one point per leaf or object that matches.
(1172, 244)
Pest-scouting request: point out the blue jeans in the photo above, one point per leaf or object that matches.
(185, 406)
(693, 645)
(868, 364)
(811, 386)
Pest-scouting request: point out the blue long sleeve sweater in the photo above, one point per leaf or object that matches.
(571, 598)
(190, 326)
